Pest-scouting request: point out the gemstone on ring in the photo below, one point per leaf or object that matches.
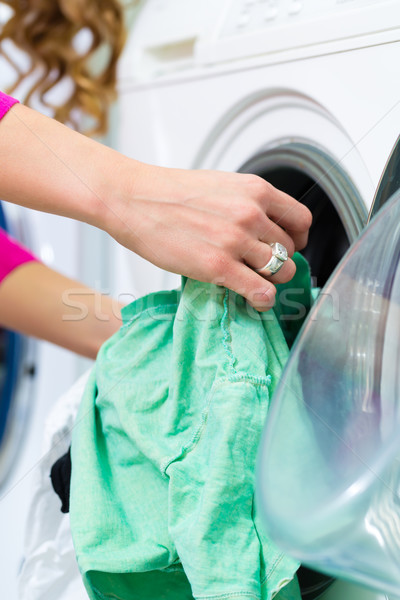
(279, 251)
(276, 262)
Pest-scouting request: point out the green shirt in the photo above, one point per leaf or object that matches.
(165, 446)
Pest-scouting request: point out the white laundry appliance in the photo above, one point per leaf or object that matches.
(301, 92)
(304, 93)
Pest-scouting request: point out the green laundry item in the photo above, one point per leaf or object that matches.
(165, 445)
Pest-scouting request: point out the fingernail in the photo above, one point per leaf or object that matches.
(266, 298)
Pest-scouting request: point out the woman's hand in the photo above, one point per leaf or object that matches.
(211, 226)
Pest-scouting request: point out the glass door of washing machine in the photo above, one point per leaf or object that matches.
(329, 463)
(16, 387)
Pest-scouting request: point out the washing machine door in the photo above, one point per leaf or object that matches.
(329, 463)
(17, 369)
(389, 183)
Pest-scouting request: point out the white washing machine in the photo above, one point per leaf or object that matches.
(302, 92)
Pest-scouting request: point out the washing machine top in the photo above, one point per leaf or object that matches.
(204, 34)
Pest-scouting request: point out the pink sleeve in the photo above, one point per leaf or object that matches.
(12, 255)
(6, 102)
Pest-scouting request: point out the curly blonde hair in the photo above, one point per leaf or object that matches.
(46, 30)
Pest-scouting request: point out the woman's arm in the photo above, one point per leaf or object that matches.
(37, 301)
(211, 226)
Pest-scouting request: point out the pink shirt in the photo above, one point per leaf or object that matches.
(6, 102)
(12, 255)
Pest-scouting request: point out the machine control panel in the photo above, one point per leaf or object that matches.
(201, 34)
(254, 15)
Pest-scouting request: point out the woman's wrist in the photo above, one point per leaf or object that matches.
(112, 205)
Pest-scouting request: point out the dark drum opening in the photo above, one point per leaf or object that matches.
(319, 181)
(328, 240)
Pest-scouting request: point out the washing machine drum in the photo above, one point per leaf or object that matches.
(329, 469)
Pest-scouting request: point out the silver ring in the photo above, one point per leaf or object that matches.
(276, 262)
